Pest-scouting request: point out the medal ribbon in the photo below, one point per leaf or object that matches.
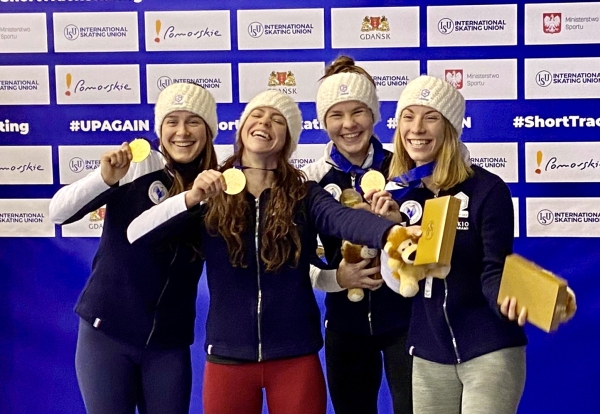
(412, 179)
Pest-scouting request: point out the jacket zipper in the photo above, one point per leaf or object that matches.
(259, 307)
(155, 312)
(353, 178)
(454, 344)
(369, 314)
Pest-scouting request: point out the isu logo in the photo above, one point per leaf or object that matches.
(98, 215)
(552, 22)
(454, 77)
(375, 23)
(282, 79)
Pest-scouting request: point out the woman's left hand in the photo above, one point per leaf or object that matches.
(508, 308)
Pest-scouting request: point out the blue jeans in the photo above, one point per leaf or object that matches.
(115, 377)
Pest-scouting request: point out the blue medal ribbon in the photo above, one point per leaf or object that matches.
(412, 179)
(343, 164)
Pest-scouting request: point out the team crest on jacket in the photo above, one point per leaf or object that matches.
(157, 192)
(413, 210)
(464, 204)
(334, 190)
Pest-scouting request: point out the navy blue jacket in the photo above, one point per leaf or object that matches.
(257, 315)
(381, 310)
(138, 295)
(471, 317)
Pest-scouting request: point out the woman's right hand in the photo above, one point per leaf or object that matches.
(207, 184)
(114, 164)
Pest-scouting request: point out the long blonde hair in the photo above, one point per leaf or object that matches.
(450, 170)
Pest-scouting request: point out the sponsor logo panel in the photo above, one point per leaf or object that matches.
(23, 33)
(498, 158)
(391, 76)
(562, 23)
(490, 79)
(75, 162)
(485, 25)
(560, 162)
(90, 225)
(280, 29)
(306, 154)
(187, 30)
(95, 32)
(297, 79)
(102, 84)
(24, 85)
(570, 78)
(375, 27)
(26, 165)
(216, 78)
(563, 217)
(25, 218)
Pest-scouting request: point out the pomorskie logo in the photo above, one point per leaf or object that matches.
(375, 24)
(283, 82)
(552, 22)
(171, 32)
(81, 86)
(545, 78)
(257, 29)
(454, 77)
(554, 164)
(447, 26)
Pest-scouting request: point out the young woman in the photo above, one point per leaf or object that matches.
(469, 358)
(263, 329)
(138, 307)
(359, 335)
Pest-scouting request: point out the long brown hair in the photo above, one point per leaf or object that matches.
(229, 215)
(450, 170)
(345, 64)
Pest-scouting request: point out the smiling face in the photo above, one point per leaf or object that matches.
(350, 126)
(422, 132)
(264, 132)
(183, 135)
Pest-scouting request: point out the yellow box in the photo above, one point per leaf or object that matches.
(540, 291)
(440, 218)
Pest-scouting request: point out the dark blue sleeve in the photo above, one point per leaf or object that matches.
(357, 226)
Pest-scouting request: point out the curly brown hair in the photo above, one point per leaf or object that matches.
(229, 215)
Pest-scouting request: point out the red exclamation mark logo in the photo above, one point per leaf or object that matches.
(158, 24)
(538, 156)
(69, 79)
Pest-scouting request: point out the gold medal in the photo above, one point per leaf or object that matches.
(372, 180)
(235, 180)
(140, 149)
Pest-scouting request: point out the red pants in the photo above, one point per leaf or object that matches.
(292, 386)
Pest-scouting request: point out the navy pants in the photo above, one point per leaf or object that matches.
(355, 367)
(115, 377)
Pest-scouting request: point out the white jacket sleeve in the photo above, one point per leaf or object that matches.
(324, 279)
(73, 197)
(386, 273)
(157, 215)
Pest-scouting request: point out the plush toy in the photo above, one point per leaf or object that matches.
(354, 253)
(402, 249)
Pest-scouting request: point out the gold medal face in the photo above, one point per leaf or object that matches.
(140, 149)
(372, 180)
(235, 180)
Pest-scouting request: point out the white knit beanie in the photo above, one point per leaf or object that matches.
(186, 97)
(437, 94)
(346, 86)
(283, 103)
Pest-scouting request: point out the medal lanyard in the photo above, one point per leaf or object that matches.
(343, 164)
(412, 179)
